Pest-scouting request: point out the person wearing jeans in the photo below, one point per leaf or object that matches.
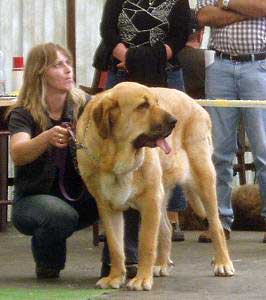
(143, 47)
(50, 221)
(238, 37)
(46, 178)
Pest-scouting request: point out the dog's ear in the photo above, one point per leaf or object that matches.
(103, 118)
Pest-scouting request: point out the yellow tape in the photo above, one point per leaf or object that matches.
(232, 103)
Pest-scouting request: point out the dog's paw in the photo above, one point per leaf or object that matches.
(111, 282)
(140, 283)
(223, 269)
(162, 270)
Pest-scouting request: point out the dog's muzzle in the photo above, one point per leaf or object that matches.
(156, 137)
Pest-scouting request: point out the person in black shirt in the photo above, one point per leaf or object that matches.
(41, 149)
(144, 31)
(140, 42)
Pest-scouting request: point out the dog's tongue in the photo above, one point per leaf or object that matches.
(163, 145)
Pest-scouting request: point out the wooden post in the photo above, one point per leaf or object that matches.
(71, 30)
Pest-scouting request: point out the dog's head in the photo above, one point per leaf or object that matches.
(130, 113)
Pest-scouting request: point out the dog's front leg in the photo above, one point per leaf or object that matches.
(150, 219)
(114, 229)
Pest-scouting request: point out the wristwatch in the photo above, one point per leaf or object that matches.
(226, 4)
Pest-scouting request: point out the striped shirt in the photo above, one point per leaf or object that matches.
(245, 37)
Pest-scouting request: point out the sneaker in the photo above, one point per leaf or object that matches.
(264, 238)
(105, 270)
(204, 237)
(177, 234)
(101, 237)
(131, 270)
(47, 273)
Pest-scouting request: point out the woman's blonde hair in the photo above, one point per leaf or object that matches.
(32, 95)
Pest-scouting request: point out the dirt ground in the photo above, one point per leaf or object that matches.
(191, 278)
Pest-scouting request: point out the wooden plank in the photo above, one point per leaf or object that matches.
(7, 101)
(71, 30)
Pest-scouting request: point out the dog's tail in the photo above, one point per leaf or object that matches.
(195, 203)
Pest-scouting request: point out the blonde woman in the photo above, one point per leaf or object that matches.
(39, 143)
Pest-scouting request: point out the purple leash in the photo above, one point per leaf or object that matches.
(60, 161)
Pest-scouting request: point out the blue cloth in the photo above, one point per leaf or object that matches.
(234, 80)
(131, 237)
(174, 79)
(50, 221)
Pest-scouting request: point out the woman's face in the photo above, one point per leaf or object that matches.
(59, 76)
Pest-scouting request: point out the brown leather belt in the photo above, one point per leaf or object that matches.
(241, 58)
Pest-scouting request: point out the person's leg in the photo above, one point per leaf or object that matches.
(132, 223)
(50, 221)
(254, 120)
(86, 209)
(220, 84)
(113, 78)
(177, 201)
(175, 79)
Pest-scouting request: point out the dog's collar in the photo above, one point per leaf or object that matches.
(81, 146)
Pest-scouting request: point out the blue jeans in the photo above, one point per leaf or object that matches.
(174, 79)
(234, 80)
(50, 221)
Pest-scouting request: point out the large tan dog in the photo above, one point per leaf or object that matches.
(126, 161)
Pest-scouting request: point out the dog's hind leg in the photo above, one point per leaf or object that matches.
(163, 261)
(114, 230)
(204, 181)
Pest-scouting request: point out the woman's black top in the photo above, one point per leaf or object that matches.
(137, 23)
(41, 176)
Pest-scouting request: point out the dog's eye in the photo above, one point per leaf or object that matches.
(143, 105)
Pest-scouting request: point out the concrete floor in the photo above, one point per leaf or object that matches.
(191, 278)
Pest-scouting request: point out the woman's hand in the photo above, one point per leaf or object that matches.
(119, 53)
(25, 149)
(169, 52)
(121, 65)
(59, 136)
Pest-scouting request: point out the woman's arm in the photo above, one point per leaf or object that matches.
(108, 27)
(179, 20)
(24, 149)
